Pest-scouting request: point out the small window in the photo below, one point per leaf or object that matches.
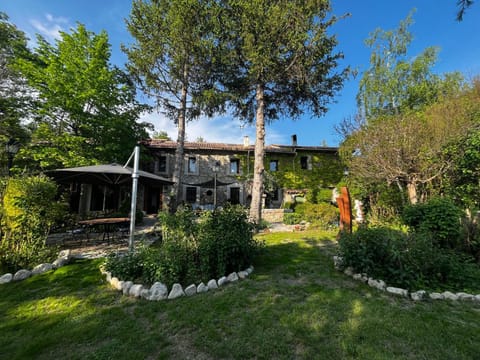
(304, 162)
(191, 195)
(273, 165)
(192, 165)
(234, 166)
(162, 164)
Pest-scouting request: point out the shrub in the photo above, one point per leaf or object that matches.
(226, 242)
(292, 218)
(192, 248)
(289, 205)
(411, 261)
(471, 230)
(439, 217)
(30, 209)
(323, 215)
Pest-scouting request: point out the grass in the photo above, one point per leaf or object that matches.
(294, 306)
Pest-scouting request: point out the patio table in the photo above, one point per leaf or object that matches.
(107, 224)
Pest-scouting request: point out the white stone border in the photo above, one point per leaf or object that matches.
(64, 258)
(159, 291)
(415, 296)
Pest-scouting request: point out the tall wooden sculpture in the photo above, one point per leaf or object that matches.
(344, 204)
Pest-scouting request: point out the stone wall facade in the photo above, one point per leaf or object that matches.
(274, 215)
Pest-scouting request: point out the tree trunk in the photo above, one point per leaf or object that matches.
(178, 168)
(257, 188)
(412, 191)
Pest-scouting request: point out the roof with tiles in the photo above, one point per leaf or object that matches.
(208, 146)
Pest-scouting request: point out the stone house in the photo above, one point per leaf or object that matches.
(216, 173)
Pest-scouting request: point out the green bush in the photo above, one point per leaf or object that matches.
(322, 215)
(289, 205)
(292, 218)
(439, 217)
(192, 248)
(226, 242)
(409, 260)
(29, 210)
(319, 195)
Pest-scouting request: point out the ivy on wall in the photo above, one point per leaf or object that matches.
(325, 170)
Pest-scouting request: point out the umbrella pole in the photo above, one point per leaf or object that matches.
(134, 198)
(104, 198)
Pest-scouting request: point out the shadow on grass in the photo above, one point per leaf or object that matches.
(294, 306)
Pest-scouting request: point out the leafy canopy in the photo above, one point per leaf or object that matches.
(82, 100)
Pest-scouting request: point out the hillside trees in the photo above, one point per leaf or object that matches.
(85, 110)
(171, 60)
(281, 62)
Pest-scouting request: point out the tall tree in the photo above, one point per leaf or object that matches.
(401, 134)
(395, 83)
(282, 62)
(83, 102)
(14, 95)
(171, 60)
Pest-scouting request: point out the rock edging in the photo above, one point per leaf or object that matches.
(415, 296)
(64, 257)
(159, 291)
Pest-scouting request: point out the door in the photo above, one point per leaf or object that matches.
(235, 195)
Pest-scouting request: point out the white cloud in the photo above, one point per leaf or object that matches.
(218, 129)
(49, 27)
(54, 19)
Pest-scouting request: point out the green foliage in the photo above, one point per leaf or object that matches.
(226, 241)
(292, 218)
(14, 96)
(326, 170)
(30, 209)
(463, 179)
(192, 249)
(289, 205)
(395, 84)
(87, 110)
(323, 215)
(266, 44)
(384, 204)
(408, 114)
(412, 261)
(438, 217)
(317, 195)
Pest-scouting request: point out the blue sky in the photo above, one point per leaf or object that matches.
(434, 25)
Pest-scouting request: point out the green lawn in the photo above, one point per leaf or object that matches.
(294, 306)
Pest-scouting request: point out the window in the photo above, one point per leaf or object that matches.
(191, 194)
(162, 164)
(273, 165)
(192, 165)
(304, 162)
(234, 166)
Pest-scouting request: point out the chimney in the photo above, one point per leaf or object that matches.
(294, 140)
(246, 141)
